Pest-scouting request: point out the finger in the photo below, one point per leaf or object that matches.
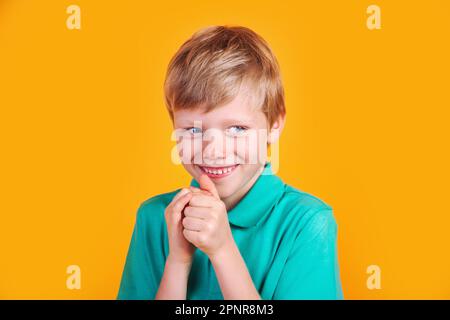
(201, 200)
(180, 193)
(206, 183)
(179, 205)
(197, 190)
(193, 224)
(191, 236)
(197, 212)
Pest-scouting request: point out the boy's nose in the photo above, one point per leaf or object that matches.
(214, 146)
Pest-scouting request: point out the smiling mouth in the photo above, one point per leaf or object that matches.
(218, 172)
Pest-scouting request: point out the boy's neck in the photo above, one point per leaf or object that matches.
(233, 200)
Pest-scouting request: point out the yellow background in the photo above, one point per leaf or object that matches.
(85, 137)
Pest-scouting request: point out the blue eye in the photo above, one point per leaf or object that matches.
(236, 130)
(194, 130)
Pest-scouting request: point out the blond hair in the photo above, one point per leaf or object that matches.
(209, 69)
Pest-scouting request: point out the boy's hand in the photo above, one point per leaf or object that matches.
(180, 250)
(206, 223)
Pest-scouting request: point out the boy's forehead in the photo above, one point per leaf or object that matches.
(225, 113)
(242, 107)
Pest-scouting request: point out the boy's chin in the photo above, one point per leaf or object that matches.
(225, 191)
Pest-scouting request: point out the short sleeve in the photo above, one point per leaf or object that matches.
(145, 261)
(311, 270)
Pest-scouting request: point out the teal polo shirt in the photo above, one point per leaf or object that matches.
(286, 237)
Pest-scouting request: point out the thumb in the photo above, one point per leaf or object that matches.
(206, 183)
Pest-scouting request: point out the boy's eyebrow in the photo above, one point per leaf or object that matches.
(236, 121)
(225, 122)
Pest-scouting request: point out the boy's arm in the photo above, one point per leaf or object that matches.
(233, 276)
(174, 281)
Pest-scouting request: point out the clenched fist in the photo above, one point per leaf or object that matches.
(206, 223)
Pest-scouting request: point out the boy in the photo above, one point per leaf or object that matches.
(238, 231)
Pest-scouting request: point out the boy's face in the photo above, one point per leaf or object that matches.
(229, 143)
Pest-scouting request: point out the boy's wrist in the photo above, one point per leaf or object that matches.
(177, 262)
(230, 249)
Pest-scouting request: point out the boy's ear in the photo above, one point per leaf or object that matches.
(277, 127)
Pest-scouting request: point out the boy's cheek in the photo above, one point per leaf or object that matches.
(191, 170)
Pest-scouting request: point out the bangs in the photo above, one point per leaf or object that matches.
(216, 64)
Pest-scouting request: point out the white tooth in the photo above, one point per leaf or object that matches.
(215, 171)
(220, 171)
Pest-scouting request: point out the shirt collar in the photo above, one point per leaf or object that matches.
(258, 201)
